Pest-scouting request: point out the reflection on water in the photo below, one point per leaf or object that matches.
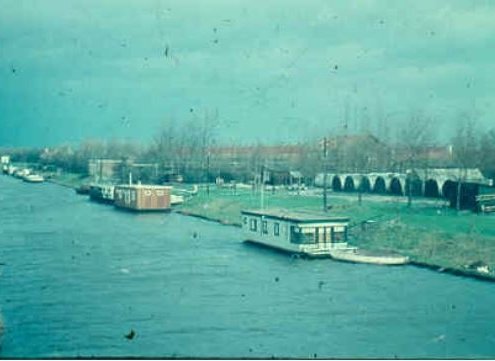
(79, 276)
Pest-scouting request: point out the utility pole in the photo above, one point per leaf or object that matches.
(458, 193)
(262, 186)
(207, 173)
(325, 205)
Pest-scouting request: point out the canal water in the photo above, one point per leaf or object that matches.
(76, 277)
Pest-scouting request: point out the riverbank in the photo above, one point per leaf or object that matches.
(429, 234)
(69, 180)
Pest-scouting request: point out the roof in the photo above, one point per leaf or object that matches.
(143, 186)
(470, 175)
(296, 216)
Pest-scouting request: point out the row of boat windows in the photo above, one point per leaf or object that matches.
(303, 235)
(122, 194)
(318, 235)
(253, 226)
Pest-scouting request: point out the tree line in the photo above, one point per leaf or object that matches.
(191, 148)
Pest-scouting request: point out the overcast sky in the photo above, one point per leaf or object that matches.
(270, 70)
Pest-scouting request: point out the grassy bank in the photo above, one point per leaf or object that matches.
(72, 180)
(428, 232)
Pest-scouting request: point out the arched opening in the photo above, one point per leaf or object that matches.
(349, 184)
(431, 189)
(396, 187)
(336, 184)
(449, 189)
(467, 199)
(380, 187)
(365, 185)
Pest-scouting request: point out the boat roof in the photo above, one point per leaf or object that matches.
(295, 216)
(143, 186)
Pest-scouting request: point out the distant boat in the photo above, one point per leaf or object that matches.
(21, 173)
(176, 200)
(83, 189)
(103, 193)
(186, 192)
(33, 178)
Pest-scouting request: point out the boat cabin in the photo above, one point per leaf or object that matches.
(102, 193)
(143, 197)
(299, 232)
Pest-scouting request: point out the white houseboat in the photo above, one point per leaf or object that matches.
(296, 232)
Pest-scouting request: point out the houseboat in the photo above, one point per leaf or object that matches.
(143, 197)
(103, 193)
(296, 232)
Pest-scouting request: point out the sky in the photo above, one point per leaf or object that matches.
(260, 71)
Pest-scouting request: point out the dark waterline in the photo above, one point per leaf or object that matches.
(78, 276)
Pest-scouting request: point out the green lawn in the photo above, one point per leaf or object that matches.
(72, 180)
(426, 232)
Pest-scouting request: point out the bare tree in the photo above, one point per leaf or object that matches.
(184, 147)
(415, 135)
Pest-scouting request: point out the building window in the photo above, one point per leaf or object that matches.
(253, 226)
(264, 227)
(276, 229)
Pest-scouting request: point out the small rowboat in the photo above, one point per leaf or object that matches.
(361, 256)
(33, 178)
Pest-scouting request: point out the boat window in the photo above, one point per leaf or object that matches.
(244, 220)
(264, 227)
(253, 224)
(276, 229)
(302, 236)
(339, 234)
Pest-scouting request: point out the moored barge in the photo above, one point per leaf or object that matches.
(103, 193)
(143, 197)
